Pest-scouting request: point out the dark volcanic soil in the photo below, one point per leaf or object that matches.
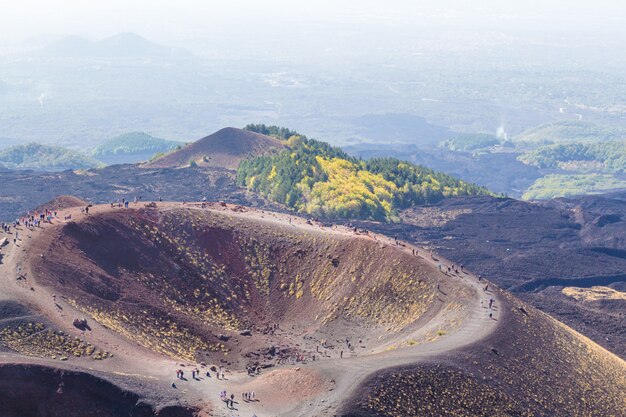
(545, 369)
(531, 249)
(39, 391)
(25, 190)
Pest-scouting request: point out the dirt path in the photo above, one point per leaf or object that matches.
(315, 388)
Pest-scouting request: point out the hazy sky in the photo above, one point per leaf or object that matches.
(180, 19)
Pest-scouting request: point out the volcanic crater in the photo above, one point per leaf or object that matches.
(316, 319)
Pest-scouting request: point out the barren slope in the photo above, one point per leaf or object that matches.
(223, 149)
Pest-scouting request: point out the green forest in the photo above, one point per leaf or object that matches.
(569, 131)
(580, 156)
(471, 142)
(44, 158)
(557, 185)
(275, 131)
(316, 178)
(134, 143)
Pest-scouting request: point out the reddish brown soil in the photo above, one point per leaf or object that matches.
(224, 149)
(62, 202)
(174, 265)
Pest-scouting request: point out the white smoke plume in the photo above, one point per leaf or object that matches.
(40, 99)
(501, 133)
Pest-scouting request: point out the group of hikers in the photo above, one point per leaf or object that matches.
(31, 220)
(248, 396)
(491, 301)
(34, 220)
(450, 269)
(122, 203)
(195, 374)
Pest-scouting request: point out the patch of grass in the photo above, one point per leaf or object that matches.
(557, 185)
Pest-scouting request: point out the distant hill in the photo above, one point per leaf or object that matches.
(560, 185)
(400, 128)
(223, 149)
(315, 178)
(569, 131)
(471, 142)
(580, 156)
(132, 147)
(591, 167)
(62, 202)
(122, 45)
(40, 157)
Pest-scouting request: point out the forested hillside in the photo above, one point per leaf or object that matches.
(44, 158)
(134, 143)
(580, 156)
(559, 185)
(315, 178)
(471, 142)
(275, 131)
(569, 131)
